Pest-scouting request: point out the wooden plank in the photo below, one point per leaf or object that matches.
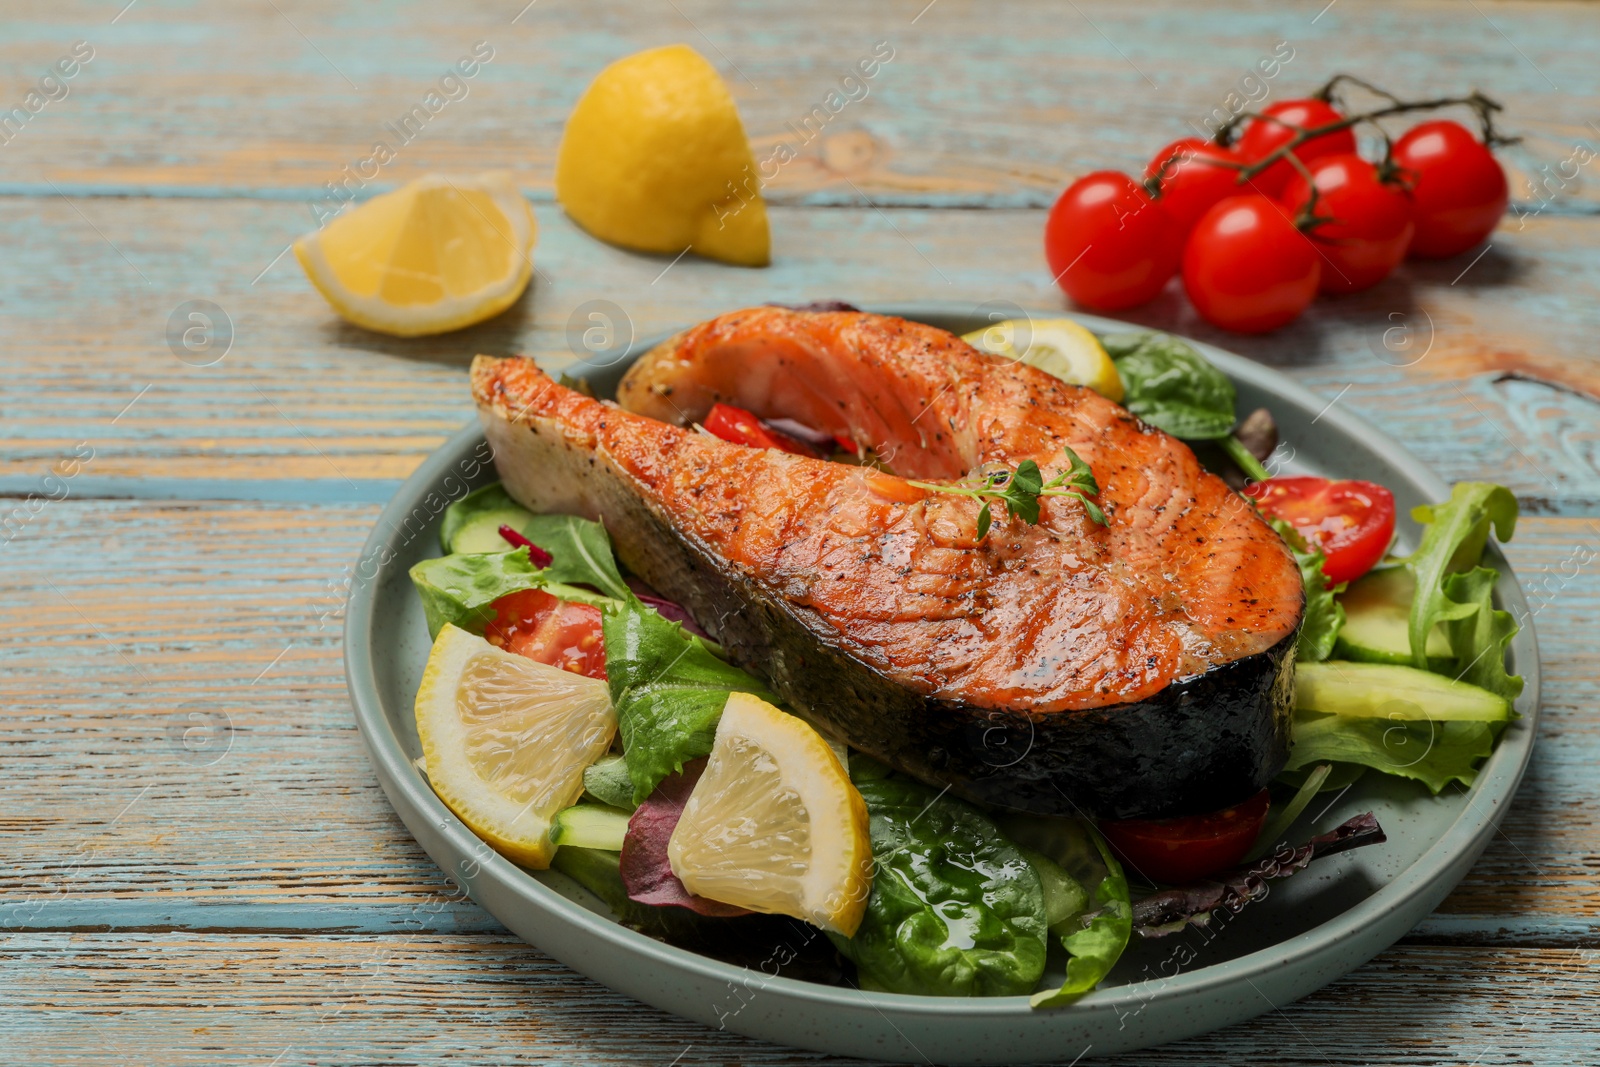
(177, 748)
(971, 109)
(1496, 378)
(176, 999)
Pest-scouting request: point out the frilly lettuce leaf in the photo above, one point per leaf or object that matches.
(668, 687)
(460, 589)
(1324, 614)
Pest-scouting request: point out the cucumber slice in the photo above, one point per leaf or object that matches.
(590, 826)
(1377, 609)
(607, 781)
(472, 524)
(1388, 691)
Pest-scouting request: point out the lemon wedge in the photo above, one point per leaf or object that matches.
(654, 158)
(774, 824)
(1056, 346)
(505, 740)
(437, 254)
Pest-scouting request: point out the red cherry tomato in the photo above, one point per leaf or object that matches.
(1186, 849)
(742, 428)
(1459, 187)
(1371, 227)
(1109, 245)
(535, 624)
(1247, 268)
(1351, 522)
(1263, 135)
(1193, 182)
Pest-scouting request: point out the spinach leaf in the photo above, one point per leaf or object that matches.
(1096, 931)
(1434, 753)
(668, 687)
(956, 910)
(1453, 544)
(459, 589)
(1324, 616)
(580, 549)
(1170, 385)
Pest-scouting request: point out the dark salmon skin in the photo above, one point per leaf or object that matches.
(1141, 668)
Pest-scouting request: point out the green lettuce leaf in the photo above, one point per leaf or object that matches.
(1170, 385)
(1324, 614)
(1434, 753)
(1453, 542)
(1097, 930)
(459, 589)
(668, 687)
(956, 910)
(1484, 635)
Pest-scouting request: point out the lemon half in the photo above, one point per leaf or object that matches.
(437, 254)
(1060, 347)
(506, 740)
(775, 824)
(654, 158)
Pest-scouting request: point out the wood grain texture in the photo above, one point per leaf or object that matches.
(201, 868)
(977, 107)
(177, 748)
(1491, 374)
(221, 1000)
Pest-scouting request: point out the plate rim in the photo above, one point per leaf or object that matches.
(1464, 837)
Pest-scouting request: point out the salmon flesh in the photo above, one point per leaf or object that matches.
(1138, 669)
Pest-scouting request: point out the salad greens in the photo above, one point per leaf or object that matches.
(1324, 615)
(580, 549)
(1096, 931)
(668, 687)
(1434, 753)
(460, 589)
(955, 910)
(1170, 385)
(1452, 588)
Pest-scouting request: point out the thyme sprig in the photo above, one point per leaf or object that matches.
(1019, 490)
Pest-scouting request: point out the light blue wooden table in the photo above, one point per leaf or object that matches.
(198, 865)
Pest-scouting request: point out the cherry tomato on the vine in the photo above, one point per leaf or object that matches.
(1108, 244)
(1247, 268)
(1459, 187)
(1352, 522)
(1190, 847)
(561, 633)
(1371, 227)
(1193, 181)
(1263, 135)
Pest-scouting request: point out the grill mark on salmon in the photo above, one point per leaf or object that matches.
(1132, 669)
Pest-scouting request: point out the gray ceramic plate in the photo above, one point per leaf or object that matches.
(1309, 930)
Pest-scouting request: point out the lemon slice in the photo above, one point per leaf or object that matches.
(654, 158)
(437, 254)
(1056, 346)
(505, 740)
(774, 824)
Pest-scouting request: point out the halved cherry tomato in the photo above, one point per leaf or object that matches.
(742, 428)
(1190, 847)
(1351, 522)
(549, 630)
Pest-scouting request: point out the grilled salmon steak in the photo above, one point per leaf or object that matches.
(1140, 668)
